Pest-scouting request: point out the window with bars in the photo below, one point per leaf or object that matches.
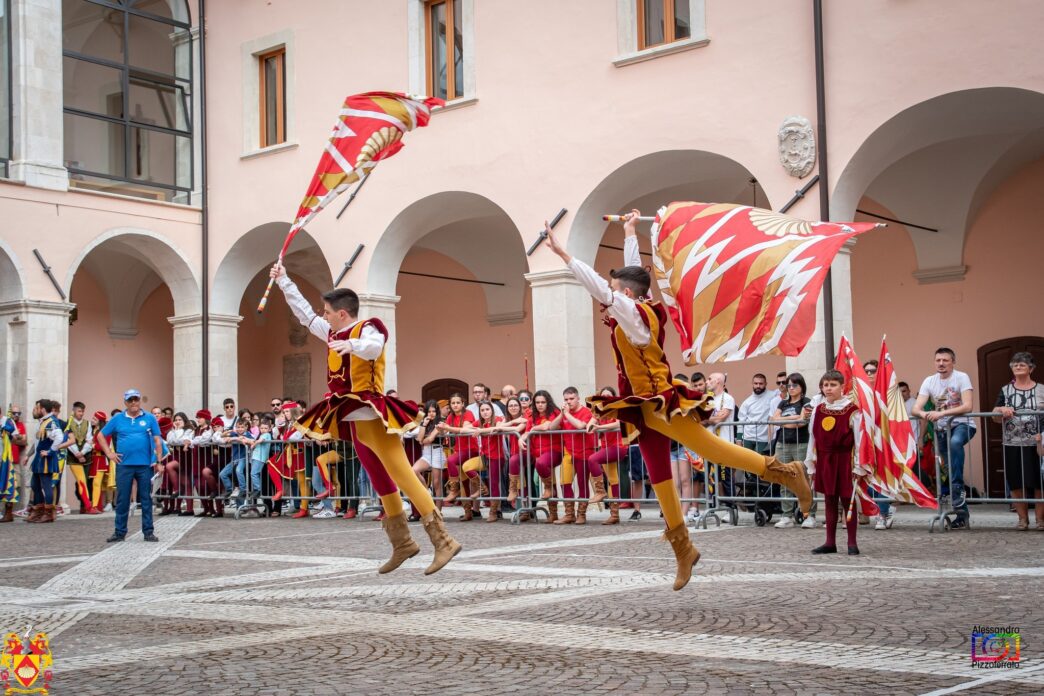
(662, 22)
(272, 90)
(127, 71)
(444, 25)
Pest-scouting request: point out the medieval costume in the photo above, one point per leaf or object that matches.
(832, 455)
(356, 383)
(661, 411)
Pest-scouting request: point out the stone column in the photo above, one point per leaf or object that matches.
(812, 361)
(188, 363)
(373, 305)
(563, 332)
(224, 358)
(38, 157)
(34, 352)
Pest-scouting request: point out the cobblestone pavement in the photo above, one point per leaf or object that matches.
(287, 606)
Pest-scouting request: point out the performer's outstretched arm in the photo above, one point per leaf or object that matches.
(298, 304)
(620, 306)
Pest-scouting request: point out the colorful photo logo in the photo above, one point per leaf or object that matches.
(995, 647)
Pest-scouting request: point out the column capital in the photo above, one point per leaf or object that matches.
(559, 276)
(375, 299)
(18, 307)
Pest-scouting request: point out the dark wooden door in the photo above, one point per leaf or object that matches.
(994, 373)
(443, 388)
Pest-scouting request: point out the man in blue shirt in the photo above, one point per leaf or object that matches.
(138, 447)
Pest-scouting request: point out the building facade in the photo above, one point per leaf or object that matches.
(934, 113)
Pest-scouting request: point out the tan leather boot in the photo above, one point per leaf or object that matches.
(597, 490)
(403, 545)
(48, 514)
(35, 513)
(552, 512)
(479, 489)
(446, 547)
(790, 475)
(494, 507)
(569, 517)
(468, 514)
(514, 486)
(549, 487)
(454, 491)
(581, 513)
(684, 552)
(614, 514)
(8, 513)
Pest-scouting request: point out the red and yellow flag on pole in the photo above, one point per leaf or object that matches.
(741, 281)
(369, 129)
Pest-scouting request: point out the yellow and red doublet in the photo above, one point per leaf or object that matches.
(355, 383)
(645, 376)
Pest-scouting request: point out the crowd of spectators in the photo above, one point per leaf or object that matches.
(517, 448)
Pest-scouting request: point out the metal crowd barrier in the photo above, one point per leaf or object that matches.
(198, 469)
(1000, 464)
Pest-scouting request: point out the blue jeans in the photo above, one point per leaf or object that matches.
(239, 467)
(126, 475)
(256, 467)
(320, 487)
(960, 434)
(882, 502)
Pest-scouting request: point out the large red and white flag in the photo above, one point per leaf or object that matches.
(886, 444)
(898, 456)
(741, 281)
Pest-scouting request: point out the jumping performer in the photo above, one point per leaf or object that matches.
(355, 362)
(658, 408)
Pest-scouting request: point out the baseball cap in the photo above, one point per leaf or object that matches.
(131, 394)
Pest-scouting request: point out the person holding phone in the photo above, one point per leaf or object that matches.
(791, 423)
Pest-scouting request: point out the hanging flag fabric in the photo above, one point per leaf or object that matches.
(887, 450)
(740, 281)
(369, 129)
(894, 475)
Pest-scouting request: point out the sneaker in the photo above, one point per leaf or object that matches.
(108, 507)
(785, 523)
(24, 512)
(151, 537)
(863, 519)
(691, 516)
(890, 517)
(114, 538)
(881, 524)
(809, 523)
(324, 514)
(959, 523)
(233, 494)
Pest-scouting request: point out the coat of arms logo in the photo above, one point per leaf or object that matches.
(23, 662)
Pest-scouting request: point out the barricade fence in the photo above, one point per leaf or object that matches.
(1009, 471)
(526, 474)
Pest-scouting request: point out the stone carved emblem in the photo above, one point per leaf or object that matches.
(797, 146)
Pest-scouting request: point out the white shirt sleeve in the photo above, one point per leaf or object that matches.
(810, 455)
(632, 257)
(369, 344)
(202, 438)
(88, 442)
(302, 310)
(620, 307)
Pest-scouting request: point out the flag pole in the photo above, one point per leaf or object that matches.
(351, 197)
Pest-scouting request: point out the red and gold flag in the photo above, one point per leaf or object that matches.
(741, 281)
(369, 129)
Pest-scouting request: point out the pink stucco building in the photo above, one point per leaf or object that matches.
(935, 114)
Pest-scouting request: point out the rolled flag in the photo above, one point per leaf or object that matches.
(740, 281)
(368, 129)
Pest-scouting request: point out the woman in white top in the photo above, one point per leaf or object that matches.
(176, 469)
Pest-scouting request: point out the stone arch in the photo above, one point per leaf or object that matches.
(12, 277)
(467, 227)
(655, 179)
(159, 261)
(256, 251)
(935, 163)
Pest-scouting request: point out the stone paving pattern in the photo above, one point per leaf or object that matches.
(287, 606)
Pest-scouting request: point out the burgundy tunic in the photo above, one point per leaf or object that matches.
(834, 450)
